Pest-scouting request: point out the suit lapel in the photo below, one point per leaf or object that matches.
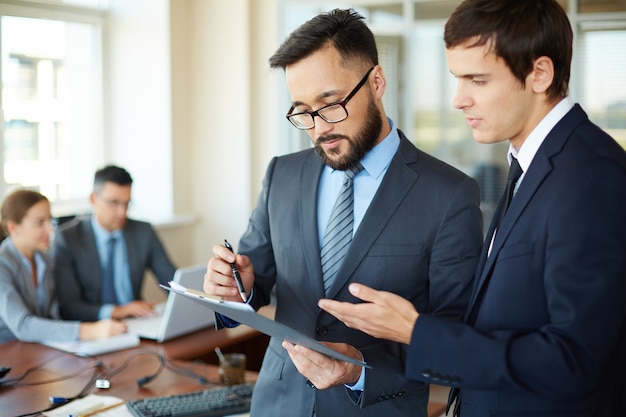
(133, 241)
(309, 184)
(395, 185)
(91, 251)
(539, 169)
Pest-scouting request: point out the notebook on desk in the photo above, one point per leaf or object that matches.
(178, 315)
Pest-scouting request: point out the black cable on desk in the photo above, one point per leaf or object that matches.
(86, 388)
(164, 363)
(108, 373)
(31, 369)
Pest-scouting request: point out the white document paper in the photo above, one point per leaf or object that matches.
(245, 314)
(95, 347)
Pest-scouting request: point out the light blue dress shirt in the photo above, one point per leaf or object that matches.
(366, 183)
(123, 289)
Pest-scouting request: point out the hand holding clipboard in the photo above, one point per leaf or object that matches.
(245, 314)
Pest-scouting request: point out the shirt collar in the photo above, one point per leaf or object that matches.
(379, 157)
(529, 148)
(102, 235)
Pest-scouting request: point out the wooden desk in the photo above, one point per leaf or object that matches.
(201, 345)
(436, 409)
(143, 361)
(20, 356)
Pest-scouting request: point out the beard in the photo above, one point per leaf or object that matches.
(359, 145)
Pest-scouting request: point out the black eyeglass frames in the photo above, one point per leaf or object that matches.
(331, 113)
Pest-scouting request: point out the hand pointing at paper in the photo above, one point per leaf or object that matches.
(382, 314)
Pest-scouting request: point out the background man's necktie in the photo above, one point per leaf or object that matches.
(515, 171)
(108, 278)
(338, 233)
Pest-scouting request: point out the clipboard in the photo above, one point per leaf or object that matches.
(245, 314)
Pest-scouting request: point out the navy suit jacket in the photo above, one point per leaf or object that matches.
(78, 271)
(419, 238)
(545, 333)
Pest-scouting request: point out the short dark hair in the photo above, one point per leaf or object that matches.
(111, 173)
(520, 32)
(343, 29)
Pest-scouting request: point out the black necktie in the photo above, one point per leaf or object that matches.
(515, 171)
(108, 278)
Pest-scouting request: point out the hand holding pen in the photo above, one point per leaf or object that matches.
(238, 281)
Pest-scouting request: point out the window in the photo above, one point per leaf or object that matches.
(51, 99)
(602, 59)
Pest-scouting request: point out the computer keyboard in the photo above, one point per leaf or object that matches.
(213, 402)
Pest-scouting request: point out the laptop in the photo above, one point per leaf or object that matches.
(178, 315)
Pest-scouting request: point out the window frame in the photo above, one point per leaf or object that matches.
(70, 13)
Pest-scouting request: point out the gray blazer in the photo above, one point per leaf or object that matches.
(21, 316)
(420, 238)
(78, 271)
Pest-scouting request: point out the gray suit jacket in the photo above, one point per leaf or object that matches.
(420, 238)
(21, 315)
(78, 271)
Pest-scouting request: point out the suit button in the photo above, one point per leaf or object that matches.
(321, 331)
(426, 373)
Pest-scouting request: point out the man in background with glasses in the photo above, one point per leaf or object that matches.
(409, 224)
(100, 260)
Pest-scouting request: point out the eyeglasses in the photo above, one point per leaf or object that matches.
(331, 113)
(116, 204)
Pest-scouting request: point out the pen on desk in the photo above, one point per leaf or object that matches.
(88, 411)
(233, 267)
(58, 400)
(100, 410)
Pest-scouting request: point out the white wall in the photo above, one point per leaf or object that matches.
(139, 123)
(193, 114)
(223, 116)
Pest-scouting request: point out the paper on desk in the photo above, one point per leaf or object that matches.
(244, 313)
(88, 404)
(96, 347)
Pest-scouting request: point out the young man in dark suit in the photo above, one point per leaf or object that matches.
(100, 260)
(545, 330)
(415, 229)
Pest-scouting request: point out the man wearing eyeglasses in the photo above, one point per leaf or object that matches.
(414, 225)
(100, 260)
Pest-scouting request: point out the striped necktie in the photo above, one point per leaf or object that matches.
(339, 231)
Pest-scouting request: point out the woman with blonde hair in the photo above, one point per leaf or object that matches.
(28, 305)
